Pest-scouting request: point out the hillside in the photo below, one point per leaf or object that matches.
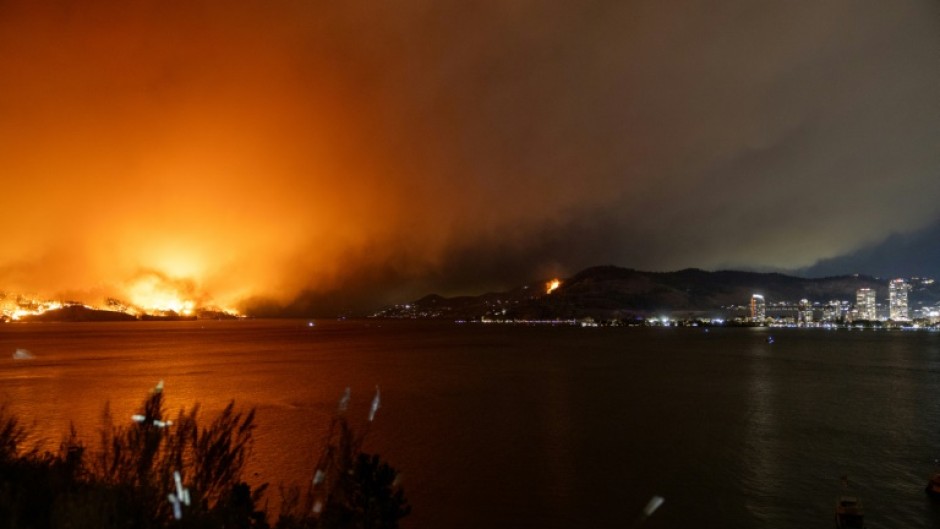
(613, 292)
(78, 313)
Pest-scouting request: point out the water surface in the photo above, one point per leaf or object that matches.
(549, 427)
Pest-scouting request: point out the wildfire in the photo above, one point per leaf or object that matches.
(153, 294)
(149, 295)
(552, 285)
(168, 304)
(31, 308)
(20, 307)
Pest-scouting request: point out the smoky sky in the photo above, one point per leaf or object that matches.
(364, 152)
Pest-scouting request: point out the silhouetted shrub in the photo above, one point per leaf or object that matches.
(145, 470)
(350, 489)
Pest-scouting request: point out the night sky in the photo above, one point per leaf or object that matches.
(338, 154)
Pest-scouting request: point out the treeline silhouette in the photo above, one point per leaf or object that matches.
(158, 472)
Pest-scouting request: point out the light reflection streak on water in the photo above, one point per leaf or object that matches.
(761, 458)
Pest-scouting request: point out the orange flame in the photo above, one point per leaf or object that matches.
(552, 285)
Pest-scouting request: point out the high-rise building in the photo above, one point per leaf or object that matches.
(834, 311)
(805, 312)
(865, 304)
(897, 300)
(758, 308)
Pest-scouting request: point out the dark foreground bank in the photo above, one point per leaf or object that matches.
(159, 472)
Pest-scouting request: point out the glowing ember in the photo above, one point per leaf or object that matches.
(552, 285)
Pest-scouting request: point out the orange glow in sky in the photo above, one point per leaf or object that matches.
(257, 151)
(289, 153)
(158, 146)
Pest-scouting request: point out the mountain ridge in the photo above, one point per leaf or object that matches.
(609, 291)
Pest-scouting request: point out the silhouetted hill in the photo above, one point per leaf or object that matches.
(613, 292)
(74, 313)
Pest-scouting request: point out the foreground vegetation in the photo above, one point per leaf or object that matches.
(158, 472)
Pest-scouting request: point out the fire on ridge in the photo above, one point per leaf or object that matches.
(151, 296)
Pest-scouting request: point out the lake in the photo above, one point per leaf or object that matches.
(551, 427)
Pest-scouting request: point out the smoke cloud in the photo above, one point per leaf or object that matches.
(325, 156)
